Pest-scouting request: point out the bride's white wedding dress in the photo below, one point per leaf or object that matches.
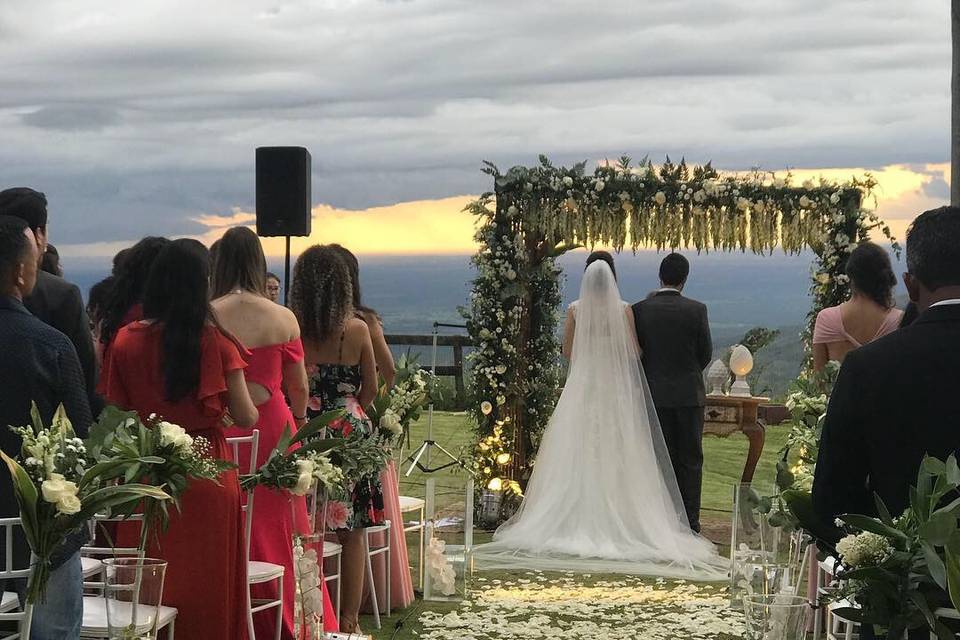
(603, 495)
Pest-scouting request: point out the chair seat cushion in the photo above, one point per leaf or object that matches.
(408, 503)
(331, 549)
(90, 566)
(10, 601)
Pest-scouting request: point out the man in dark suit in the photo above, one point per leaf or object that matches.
(54, 300)
(675, 337)
(895, 399)
(38, 365)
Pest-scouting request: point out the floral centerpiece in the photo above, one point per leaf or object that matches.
(897, 570)
(61, 484)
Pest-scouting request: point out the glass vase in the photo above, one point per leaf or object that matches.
(307, 563)
(133, 589)
(449, 544)
(775, 617)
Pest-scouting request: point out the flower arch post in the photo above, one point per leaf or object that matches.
(535, 214)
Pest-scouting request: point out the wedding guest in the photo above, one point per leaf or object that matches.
(868, 314)
(894, 397)
(675, 342)
(51, 261)
(97, 299)
(125, 303)
(401, 584)
(39, 364)
(178, 364)
(271, 334)
(273, 288)
(54, 300)
(343, 375)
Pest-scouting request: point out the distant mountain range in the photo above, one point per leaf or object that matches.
(741, 291)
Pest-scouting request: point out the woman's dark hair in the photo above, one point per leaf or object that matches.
(97, 298)
(871, 273)
(321, 295)
(131, 272)
(354, 266)
(177, 297)
(910, 314)
(239, 263)
(601, 255)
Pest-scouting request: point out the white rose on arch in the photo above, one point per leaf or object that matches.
(660, 197)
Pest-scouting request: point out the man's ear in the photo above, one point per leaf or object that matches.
(913, 287)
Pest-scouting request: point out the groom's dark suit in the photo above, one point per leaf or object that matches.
(675, 337)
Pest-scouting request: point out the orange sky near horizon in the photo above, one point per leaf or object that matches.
(441, 227)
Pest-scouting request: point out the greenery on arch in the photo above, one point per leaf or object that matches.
(535, 214)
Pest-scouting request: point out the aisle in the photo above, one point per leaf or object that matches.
(526, 605)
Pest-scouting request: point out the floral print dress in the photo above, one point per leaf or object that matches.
(332, 387)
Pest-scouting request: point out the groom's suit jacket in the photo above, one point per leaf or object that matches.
(675, 337)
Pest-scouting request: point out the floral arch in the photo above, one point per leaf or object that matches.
(535, 214)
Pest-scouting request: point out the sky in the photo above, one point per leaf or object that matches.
(141, 118)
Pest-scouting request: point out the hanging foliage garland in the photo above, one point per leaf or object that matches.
(537, 213)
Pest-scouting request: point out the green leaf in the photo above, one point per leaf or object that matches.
(935, 565)
(939, 528)
(882, 511)
(27, 497)
(313, 427)
(953, 470)
(866, 523)
(953, 572)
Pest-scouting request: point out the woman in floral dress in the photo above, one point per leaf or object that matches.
(343, 375)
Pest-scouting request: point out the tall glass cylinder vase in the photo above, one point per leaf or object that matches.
(307, 563)
(775, 617)
(133, 589)
(764, 559)
(449, 541)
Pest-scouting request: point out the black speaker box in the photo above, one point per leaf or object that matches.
(283, 191)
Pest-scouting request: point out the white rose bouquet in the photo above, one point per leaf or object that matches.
(60, 485)
(413, 389)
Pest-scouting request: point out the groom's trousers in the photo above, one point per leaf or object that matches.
(683, 430)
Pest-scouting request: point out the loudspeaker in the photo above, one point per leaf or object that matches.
(283, 191)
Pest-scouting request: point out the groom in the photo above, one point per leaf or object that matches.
(675, 337)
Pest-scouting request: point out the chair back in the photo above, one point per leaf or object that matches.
(252, 441)
(10, 572)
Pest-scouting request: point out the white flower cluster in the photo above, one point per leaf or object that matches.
(441, 570)
(175, 436)
(315, 467)
(61, 492)
(309, 590)
(52, 457)
(864, 549)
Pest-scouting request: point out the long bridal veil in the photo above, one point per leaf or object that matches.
(603, 495)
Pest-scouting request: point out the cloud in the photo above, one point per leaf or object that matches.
(145, 115)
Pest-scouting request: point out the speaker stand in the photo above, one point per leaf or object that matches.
(286, 273)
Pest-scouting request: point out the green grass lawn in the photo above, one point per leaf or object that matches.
(723, 464)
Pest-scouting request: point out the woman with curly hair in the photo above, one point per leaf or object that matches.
(343, 375)
(869, 314)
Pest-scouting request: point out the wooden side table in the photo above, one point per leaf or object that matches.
(724, 415)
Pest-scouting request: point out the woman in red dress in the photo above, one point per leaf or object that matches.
(178, 364)
(272, 335)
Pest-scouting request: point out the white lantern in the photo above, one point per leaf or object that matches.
(741, 363)
(717, 375)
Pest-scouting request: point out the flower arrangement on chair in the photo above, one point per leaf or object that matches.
(62, 482)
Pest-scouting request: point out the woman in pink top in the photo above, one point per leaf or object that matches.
(868, 314)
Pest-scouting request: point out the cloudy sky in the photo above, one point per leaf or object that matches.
(142, 117)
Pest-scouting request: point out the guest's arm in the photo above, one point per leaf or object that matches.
(840, 478)
(569, 329)
(381, 350)
(76, 326)
(73, 392)
(632, 331)
(704, 341)
(821, 355)
(242, 410)
(297, 387)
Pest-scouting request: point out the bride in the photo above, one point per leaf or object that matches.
(603, 495)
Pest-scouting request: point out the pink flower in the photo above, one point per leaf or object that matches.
(337, 514)
(312, 370)
(314, 404)
(342, 425)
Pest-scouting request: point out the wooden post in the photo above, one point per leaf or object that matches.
(458, 378)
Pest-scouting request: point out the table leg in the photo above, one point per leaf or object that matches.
(756, 433)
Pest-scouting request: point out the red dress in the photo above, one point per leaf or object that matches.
(275, 514)
(206, 575)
